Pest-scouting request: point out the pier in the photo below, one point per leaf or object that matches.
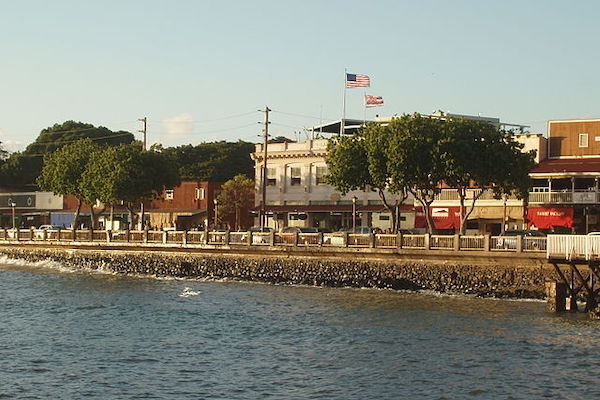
(576, 260)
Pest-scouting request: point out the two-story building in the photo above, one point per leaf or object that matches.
(297, 195)
(566, 190)
(189, 205)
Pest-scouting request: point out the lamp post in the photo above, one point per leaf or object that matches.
(354, 198)
(13, 205)
(216, 211)
(504, 198)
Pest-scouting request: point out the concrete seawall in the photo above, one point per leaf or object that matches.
(504, 279)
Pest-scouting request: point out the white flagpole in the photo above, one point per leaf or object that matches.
(343, 105)
(365, 103)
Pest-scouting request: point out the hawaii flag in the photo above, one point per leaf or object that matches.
(373, 101)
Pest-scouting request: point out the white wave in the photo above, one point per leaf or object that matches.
(187, 292)
(42, 264)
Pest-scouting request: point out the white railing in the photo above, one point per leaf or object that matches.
(413, 241)
(472, 242)
(386, 241)
(564, 197)
(451, 194)
(570, 246)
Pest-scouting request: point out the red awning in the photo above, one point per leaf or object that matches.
(546, 218)
(443, 218)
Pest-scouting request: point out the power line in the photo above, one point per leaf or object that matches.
(207, 120)
(213, 131)
(302, 115)
(75, 140)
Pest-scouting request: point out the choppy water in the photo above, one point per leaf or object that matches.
(76, 335)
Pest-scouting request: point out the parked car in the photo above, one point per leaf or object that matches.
(508, 239)
(303, 229)
(360, 229)
(50, 227)
(408, 231)
(259, 239)
(39, 233)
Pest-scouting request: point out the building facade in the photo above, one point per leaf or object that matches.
(297, 195)
(565, 194)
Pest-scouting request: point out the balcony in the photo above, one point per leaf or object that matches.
(452, 195)
(563, 197)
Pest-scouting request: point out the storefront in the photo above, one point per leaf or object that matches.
(483, 219)
(550, 218)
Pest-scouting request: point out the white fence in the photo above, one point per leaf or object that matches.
(573, 247)
(569, 245)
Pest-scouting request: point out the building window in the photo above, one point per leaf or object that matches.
(320, 173)
(169, 194)
(295, 176)
(271, 177)
(199, 193)
(583, 140)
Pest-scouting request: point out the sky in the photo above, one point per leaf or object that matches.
(200, 71)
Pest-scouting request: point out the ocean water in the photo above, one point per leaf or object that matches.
(68, 334)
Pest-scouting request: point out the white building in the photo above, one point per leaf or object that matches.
(297, 195)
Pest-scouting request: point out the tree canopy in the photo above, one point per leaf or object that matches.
(360, 161)
(110, 174)
(53, 138)
(235, 200)
(419, 154)
(64, 169)
(216, 161)
(23, 168)
(129, 174)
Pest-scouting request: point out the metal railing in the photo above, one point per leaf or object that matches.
(338, 239)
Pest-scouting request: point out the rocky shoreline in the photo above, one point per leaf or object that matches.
(502, 281)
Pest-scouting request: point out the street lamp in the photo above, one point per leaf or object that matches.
(13, 205)
(504, 199)
(354, 198)
(216, 211)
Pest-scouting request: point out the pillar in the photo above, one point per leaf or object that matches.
(556, 296)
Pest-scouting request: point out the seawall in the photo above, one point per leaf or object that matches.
(503, 279)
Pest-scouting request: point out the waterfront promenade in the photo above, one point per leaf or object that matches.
(338, 242)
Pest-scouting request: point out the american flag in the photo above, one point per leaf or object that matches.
(373, 101)
(355, 80)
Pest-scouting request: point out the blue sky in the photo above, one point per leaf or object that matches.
(200, 70)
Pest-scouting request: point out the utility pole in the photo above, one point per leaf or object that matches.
(143, 130)
(263, 203)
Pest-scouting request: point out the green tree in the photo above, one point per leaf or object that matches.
(53, 138)
(217, 161)
(23, 168)
(127, 173)
(63, 172)
(281, 139)
(360, 161)
(236, 197)
(415, 158)
(471, 153)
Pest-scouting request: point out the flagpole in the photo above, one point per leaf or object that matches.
(365, 104)
(343, 104)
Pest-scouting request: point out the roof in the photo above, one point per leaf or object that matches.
(350, 126)
(568, 166)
